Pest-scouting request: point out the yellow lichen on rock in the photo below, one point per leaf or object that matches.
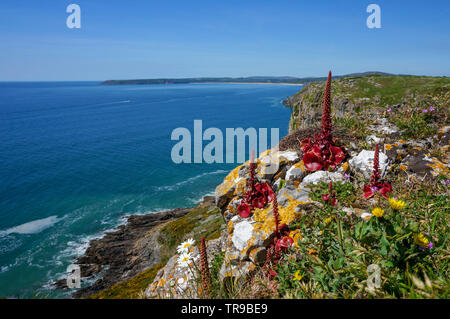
(438, 167)
(265, 221)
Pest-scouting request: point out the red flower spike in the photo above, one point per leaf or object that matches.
(206, 276)
(322, 153)
(330, 198)
(276, 216)
(326, 116)
(272, 273)
(375, 185)
(376, 174)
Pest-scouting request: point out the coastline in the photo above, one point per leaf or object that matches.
(125, 251)
(295, 84)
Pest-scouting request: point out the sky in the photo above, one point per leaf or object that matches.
(173, 39)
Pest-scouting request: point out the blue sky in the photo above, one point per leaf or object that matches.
(167, 38)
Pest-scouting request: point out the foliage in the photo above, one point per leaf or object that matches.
(322, 153)
(132, 288)
(337, 248)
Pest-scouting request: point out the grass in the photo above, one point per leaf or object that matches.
(200, 221)
(375, 95)
(132, 288)
(347, 245)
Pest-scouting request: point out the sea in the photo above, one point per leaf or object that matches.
(77, 158)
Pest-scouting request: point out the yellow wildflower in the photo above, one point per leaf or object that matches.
(396, 204)
(421, 240)
(328, 220)
(313, 253)
(297, 275)
(377, 212)
(345, 166)
(296, 236)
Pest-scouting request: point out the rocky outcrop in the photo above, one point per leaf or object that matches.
(121, 254)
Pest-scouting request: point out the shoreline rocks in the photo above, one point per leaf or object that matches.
(124, 252)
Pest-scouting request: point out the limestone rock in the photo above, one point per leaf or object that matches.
(242, 234)
(362, 164)
(296, 172)
(174, 281)
(382, 126)
(424, 166)
(321, 176)
(373, 139)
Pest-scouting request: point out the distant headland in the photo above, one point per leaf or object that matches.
(286, 80)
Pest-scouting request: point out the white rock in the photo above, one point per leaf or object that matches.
(242, 234)
(289, 155)
(383, 126)
(294, 173)
(373, 139)
(363, 163)
(290, 192)
(321, 176)
(235, 218)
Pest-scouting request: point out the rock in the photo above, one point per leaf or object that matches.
(444, 135)
(258, 256)
(175, 281)
(396, 151)
(125, 252)
(242, 234)
(225, 191)
(232, 275)
(382, 126)
(231, 209)
(321, 176)
(373, 139)
(423, 166)
(296, 172)
(290, 192)
(362, 164)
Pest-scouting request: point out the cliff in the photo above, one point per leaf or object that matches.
(320, 234)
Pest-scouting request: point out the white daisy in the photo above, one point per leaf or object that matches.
(185, 246)
(183, 259)
(366, 216)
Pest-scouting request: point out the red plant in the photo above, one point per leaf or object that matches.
(258, 195)
(206, 276)
(330, 198)
(375, 184)
(276, 217)
(284, 242)
(322, 153)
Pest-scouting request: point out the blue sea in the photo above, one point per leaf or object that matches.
(78, 157)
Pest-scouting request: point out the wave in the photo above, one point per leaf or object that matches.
(189, 180)
(32, 227)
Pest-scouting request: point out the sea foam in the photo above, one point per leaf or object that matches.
(32, 227)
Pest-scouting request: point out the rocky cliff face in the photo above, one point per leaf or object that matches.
(406, 116)
(362, 112)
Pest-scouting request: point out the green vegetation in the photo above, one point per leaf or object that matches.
(200, 221)
(404, 100)
(132, 288)
(333, 258)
